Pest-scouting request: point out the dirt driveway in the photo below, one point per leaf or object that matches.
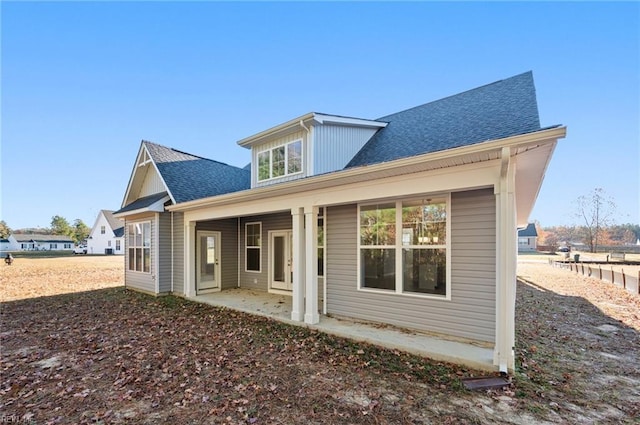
(78, 348)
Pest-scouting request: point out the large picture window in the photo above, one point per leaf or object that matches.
(253, 241)
(280, 161)
(404, 246)
(139, 244)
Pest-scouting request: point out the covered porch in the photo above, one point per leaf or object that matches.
(279, 307)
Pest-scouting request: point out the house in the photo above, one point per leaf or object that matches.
(409, 220)
(37, 242)
(528, 238)
(8, 244)
(107, 235)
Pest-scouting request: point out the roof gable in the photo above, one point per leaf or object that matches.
(190, 177)
(498, 110)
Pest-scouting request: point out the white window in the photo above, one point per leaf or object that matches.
(404, 246)
(67, 246)
(53, 246)
(117, 244)
(253, 241)
(280, 161)
(108, 243)
(139, 243)
(102, 230)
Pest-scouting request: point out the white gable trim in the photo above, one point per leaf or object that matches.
(143, 159)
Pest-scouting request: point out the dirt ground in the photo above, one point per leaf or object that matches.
(78, 348)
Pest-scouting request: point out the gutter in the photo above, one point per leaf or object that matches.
(536, 138)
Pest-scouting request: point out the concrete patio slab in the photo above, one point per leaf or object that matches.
(278, 307)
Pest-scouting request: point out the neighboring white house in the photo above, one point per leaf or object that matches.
(528, 238)
(107, 235)
(36, 242)
(9, 244)
(408, 220)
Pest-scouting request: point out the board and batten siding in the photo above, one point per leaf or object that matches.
(228, 229)
(471, 311)
(335, 145)
(140, 280)
(178, 253)
(152, 183)
(260, 280)
(279, 142)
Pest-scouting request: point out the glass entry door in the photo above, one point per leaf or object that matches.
(281, 260)
(207, 261)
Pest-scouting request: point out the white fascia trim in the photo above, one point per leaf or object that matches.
(173, 200)
(300, 185)
(289, 125)
(143, 149)
(307, 120)
(355, 122)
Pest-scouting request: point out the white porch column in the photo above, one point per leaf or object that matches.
(190, 258)
(311, 265)
(506, 263)
(297, 303)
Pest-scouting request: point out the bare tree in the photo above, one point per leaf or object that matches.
(597, 210)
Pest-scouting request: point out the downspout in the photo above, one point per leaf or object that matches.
(306, 156)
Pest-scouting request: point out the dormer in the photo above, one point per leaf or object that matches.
(305, 146)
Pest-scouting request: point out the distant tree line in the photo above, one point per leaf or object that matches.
(78, 231)
(595, 212)
(613, 235)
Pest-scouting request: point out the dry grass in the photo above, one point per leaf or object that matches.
(78, 348)
(41, 277)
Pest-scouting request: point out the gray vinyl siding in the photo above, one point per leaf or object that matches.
(139, 280)
(229, 244)
(164, 252)
(335, 145)
(471, 311)
(260, 280)
(178, 253)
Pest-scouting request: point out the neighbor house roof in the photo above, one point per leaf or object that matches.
(498, 110)
(190, 177)
(26, 237)
(116, 224)
(528, 231)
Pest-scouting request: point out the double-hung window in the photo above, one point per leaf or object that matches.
(253, 240)
(404, 246)
(280, 161)
(139, 244)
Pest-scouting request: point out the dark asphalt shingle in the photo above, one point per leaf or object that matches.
(191, 177)
(501, 109)
(143, 202)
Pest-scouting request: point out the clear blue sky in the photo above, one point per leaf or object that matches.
(84, 83)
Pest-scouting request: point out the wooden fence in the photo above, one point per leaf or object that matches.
(630, 282)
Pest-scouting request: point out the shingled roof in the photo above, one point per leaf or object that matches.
(116, 224)
(190, 177)
(501, 109)
(528, 231)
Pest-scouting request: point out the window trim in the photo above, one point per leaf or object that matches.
(128, 247)
(258, 247)
(286, 161)
(398, 247)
